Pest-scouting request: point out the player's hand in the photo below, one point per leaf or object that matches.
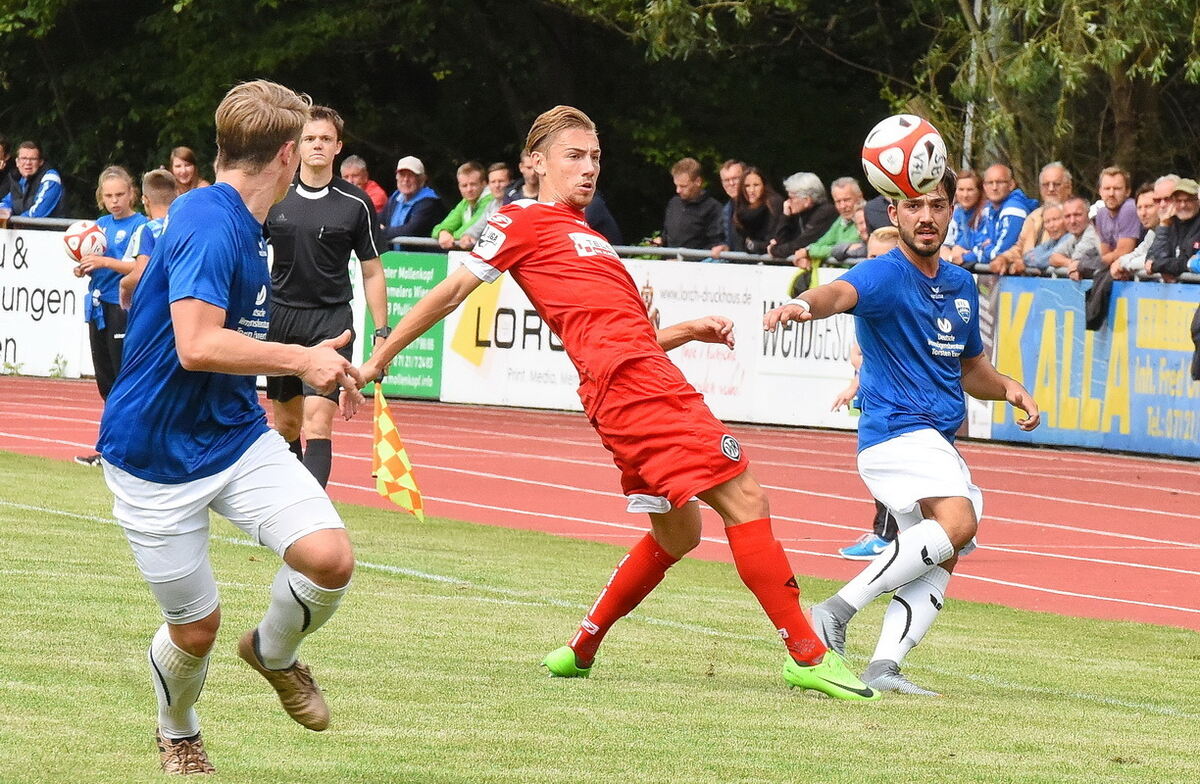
(712, 329)
(91, 262)
(1020, 399)
(327, 369)
(349, 401)
(845, 396)
(783, 314)
(125, 292)
(77, 272)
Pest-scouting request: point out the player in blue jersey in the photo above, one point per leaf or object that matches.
(158, 192)
(183, 431)
(917, 322)
(116, 193)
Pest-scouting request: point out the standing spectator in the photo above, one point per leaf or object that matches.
(1084, 246)
(964, 222)
(1117, 223)
(847, 199)
(1177, 237)
(1056, 187)
(693, 218)
(731, 172)
(471, 180)
(1126, 267)
(757, 213)
(354, 171)
(158, 192)
(414, 209)
(1053, 232)
(116, 193)
(186, 170)
(1003, 216)
(37, 190)
(313, 231)
(499, 180)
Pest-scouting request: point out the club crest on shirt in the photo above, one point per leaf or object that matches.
(490, 240)
(591, 245)
(731, 448)
(964, 309)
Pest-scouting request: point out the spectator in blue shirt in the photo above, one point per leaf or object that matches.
(1003, 216)
(37, 191)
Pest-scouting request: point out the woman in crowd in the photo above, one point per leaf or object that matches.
(757, 212)
(186, 170)
(968, 209)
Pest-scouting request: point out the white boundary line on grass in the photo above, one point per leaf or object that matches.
(648, 619)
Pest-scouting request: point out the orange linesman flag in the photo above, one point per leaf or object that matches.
(390, 464)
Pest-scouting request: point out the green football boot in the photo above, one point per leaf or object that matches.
(831, 677)
(561, 664)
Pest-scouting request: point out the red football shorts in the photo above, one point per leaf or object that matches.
(662, 435)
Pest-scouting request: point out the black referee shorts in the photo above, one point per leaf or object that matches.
(306, 327)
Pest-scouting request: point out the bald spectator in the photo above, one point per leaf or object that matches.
(37, 190)
(1116, 222)
(693, 218)
(1177, 237)
(1003, 216)
(354, 171)
(414, 209)
(1126, 267)
(1056, 186)
(1084, 246)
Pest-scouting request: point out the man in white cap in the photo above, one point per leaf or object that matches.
(414, 209)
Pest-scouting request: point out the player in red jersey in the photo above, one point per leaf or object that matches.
(668, 445)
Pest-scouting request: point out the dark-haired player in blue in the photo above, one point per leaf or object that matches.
(917, 321)
(183, 431)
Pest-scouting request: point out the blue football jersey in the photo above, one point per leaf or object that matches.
(118, 233)
(163, 423)
(913, 330)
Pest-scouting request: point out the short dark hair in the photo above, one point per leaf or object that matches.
(330, 116)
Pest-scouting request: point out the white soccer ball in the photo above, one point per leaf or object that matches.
(84, 238)
(904, 156)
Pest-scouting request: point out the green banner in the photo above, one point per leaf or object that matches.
(417, 370)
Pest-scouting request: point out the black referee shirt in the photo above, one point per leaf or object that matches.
(312, 233)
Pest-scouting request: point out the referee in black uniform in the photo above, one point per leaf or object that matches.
(312, 232)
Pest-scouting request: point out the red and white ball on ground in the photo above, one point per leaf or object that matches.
(84, 238)
(904, 156)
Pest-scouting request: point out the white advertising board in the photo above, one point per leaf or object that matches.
(42, 332)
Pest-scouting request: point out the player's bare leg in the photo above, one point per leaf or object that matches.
(318, 433)
(305, 594)
(287, 419)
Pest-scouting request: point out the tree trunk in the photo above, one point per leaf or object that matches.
(1125, 120)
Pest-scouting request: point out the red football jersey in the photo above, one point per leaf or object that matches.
(575, 280)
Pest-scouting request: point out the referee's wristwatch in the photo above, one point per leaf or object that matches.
(382, 333)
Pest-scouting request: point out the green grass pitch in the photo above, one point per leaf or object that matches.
(431, 670)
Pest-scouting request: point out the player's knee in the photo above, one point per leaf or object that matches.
(333, 569)
(960, 530)
(198, 637)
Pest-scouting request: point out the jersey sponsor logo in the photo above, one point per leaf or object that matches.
(731, 448)
(500, 221)
(490, 242)
(964, 309)
(262, 296)
(591, 245)
(944, 325)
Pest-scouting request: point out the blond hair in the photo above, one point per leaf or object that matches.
(159, 187)
(553, 122)
(882, 240)
(254, 120)
(116, 173)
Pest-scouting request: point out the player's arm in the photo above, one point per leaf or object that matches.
(203, 343)
(710, 329)
(440, 302)
(375, 291)
(120, 266)
(130, 281)
(982, 381)
(817, 303)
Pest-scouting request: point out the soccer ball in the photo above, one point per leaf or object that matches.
(84, 238)
(904, 156)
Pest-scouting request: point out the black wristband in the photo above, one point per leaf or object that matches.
(383, 332)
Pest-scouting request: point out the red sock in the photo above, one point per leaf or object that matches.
(635, 577)
(765, 570)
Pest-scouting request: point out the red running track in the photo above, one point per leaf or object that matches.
(1070, 532)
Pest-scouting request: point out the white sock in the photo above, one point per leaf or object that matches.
(914, 551)
(178, 678)
(298, 608)
(912, 611)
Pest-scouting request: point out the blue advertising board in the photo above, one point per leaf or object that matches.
(1126, 386)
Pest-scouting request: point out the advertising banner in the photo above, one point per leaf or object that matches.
(42, 332)
(417, 370)
(1126, 386)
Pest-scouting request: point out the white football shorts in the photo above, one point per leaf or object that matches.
(267, 493)
(902, 471)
